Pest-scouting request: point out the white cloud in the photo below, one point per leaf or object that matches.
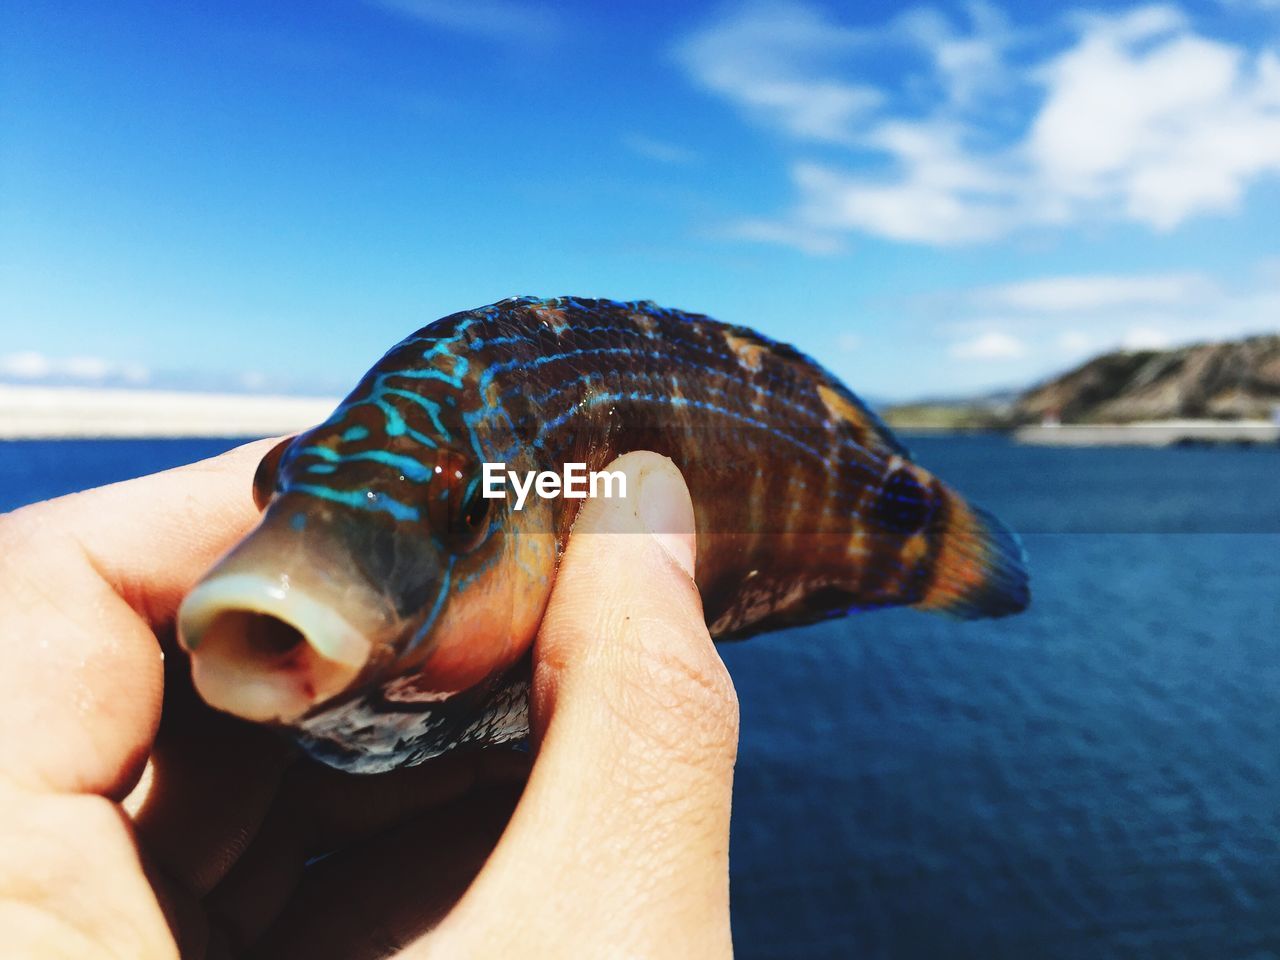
(942, 198)
(660, 150)
(134, 373)
(1139, 119)
(967, 65)
(1073, 342)
(1094, 292)
(86, 368)
(1265, 5)
(32, 365)
(768, 60)
(1047, 324)
(495, 19)
(1147, 117)
(992, 345)
(1146, 338)
(26, 365)
(849, 342)
(806, 238)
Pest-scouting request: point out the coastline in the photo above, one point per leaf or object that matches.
(1152, 433)
(69, 413)
(48, 413)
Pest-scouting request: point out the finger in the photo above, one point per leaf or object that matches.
(627, 807)
(320, 810)
(83, 581)
(55, 852)
(370, 900)
(210, 788)
(152, 537)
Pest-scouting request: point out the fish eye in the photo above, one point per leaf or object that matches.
(903, 506)
(469, 522)
(458, 510)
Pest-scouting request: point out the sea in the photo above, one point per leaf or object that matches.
(1098, 777)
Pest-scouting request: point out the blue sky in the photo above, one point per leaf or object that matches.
(929, 199)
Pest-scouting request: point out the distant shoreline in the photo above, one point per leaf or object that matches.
(49, 413)
(1153, 433)
(67, 413)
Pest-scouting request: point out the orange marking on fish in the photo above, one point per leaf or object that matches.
(959, 563)
(839, 407)
(746, 351)
(553, 317)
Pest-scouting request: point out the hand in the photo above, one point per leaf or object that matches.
(617, 845)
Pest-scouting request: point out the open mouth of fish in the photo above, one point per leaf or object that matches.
(267, 651)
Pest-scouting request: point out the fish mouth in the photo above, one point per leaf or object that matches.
(263, 649)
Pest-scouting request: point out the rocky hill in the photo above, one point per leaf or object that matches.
(1229, 381)
(1235, 380)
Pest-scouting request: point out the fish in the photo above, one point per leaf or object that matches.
(383, 610)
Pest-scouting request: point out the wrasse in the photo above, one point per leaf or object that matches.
(384, 608)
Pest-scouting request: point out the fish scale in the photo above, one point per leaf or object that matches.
(806, 507)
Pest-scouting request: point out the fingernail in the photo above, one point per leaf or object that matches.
(667, 512)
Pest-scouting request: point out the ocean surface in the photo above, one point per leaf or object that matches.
(1099, 777)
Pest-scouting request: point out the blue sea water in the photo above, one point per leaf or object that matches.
(1098, 777)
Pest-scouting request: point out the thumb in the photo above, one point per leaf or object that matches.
(619, 845)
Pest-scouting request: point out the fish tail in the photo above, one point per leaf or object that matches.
(981, 566)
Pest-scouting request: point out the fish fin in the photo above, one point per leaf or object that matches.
(265, 477)
(982, 567)
(828, 603)
(823, 604)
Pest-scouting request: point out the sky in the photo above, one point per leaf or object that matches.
(930, 200)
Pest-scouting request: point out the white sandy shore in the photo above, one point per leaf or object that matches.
(1159, 433)
(67, 412)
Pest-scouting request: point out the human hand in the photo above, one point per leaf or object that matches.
(617, 846)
